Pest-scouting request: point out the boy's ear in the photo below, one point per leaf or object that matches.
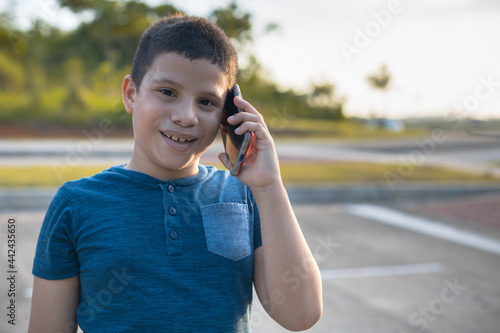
(223, 128)
(128, 93)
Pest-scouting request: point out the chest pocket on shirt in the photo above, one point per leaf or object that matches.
(227, 230)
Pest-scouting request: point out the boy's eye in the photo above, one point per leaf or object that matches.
(206, 102)
(167, 92)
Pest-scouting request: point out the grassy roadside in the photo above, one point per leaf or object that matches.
(363, 172)
(293, 128)
(306, 173)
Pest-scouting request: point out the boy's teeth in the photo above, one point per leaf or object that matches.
(175, 138)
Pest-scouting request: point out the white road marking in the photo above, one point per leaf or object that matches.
(379, 271)
(424, 226)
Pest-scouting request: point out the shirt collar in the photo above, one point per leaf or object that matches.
(142, 177)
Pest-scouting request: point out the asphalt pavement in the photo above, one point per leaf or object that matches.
(408, 276)
(387, 266)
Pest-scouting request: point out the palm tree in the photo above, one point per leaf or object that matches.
(380, 80)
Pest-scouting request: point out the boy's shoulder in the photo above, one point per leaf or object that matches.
(106, 176)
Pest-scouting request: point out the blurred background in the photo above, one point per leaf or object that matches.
(386, 116)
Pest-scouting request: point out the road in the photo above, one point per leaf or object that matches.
(414, 260)
(378, 275)
(382, 278)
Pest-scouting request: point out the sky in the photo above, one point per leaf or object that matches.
(443, 55)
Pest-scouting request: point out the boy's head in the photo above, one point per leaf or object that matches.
(182, 71)
(191, 37)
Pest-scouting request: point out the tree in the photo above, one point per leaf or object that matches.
(322, 94)
(380, 81)
(74, 76)
(78, 5)
(235, 23)
(326, 104)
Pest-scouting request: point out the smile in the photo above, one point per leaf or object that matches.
(176, 139)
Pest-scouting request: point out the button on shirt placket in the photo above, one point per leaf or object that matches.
(172, 219)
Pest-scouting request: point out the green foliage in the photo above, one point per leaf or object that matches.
(235, 24)
(11, 74)
(50, 77)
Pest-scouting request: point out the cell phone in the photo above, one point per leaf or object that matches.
(236, 146)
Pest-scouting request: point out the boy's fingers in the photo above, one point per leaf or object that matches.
(251, 118)
(258, 129)
(249, 114)
(244, 105)
(244, 116)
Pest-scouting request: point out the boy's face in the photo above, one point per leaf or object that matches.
(176, 114)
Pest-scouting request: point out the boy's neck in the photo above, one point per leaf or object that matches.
(161, 173)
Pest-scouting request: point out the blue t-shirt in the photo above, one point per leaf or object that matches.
(154, 256)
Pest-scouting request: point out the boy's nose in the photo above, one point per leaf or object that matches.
(185, 114)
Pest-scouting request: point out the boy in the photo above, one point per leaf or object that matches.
(163, 244)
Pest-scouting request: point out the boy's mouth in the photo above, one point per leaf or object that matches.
(176, 138)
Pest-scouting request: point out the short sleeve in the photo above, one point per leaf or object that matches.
(55, 256)
(257, 239)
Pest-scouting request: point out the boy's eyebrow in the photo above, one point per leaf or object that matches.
(165, 80)
(161, 80)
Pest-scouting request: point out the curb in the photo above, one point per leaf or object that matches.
(379, 192)
(26, 198)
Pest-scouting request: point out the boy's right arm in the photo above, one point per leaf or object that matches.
(54, 305)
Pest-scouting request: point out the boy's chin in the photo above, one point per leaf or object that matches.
(179, 165)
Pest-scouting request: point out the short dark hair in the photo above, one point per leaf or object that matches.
(190, 36)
